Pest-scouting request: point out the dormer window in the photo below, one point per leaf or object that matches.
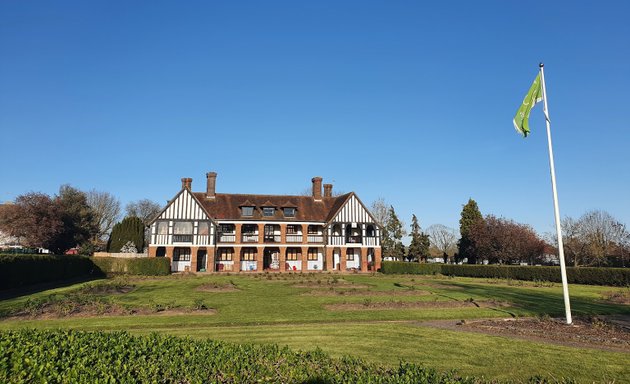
(269, 211)
(247, 211)
(289, 212)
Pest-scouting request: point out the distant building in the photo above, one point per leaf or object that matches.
(209, 231)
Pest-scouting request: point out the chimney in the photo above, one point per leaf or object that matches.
(327, 190)
(186, 183)
(317, 188)
(211, 185)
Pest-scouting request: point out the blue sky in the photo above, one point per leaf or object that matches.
(407, 101)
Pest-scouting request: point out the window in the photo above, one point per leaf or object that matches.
(225, 254)
(249, 254)
(313, 229)
(247, 211)
(293, 254)
(162, 228)
(312, 254)
(249, 229)
(181, 254)
(183, 228)
(292, 229)
(289, 212)
(204, 228)
(269, 211)
(350, 255)
(370, 231)
(226, 228)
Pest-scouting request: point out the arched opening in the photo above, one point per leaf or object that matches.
(248, 259)
(353, 234)
(225, 259)
(293, 259)
(271, 258)
(202, 259)
(370, 231)
(160, 252)
(181, 259)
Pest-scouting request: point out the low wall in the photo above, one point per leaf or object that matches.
(120, 255)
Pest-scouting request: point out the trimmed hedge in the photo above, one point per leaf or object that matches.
(146, 266)
(579, 275)
(20, 270)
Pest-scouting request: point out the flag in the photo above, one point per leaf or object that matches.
(534, 96)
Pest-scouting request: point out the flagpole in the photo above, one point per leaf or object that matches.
(556, 209)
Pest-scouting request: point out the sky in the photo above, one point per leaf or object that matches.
(407, 101)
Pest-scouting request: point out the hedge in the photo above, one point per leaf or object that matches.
(575, 275)
(147, 266)
(21, 270)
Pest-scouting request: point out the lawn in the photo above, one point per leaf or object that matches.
(378, 317)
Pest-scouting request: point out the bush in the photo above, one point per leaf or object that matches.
(146, 266)
(575, 275)
(20, 270)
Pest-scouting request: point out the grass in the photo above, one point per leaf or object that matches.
(271, 309)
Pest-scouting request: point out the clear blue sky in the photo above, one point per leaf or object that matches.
(392, 99)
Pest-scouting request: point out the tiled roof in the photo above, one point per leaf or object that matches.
(226, 206)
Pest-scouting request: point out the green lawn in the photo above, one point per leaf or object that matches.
(272, 309)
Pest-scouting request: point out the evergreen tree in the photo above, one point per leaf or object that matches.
(131, 229)
(419, 247)
(469, 217)
(392, 237)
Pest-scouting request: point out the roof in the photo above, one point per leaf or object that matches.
(226, 206)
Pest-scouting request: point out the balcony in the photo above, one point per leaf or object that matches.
(294, 238)
(353, 240)
(249, 238)
(272, 238)
(370, 240)
(182, 239)
(336, 240)
(227, 238)
(317, 239)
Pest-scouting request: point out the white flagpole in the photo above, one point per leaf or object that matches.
(556, 209)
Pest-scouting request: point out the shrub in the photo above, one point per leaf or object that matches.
(146, 266)
(575, 275)
(20, 270)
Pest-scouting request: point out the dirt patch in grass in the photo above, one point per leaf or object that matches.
(108, 289)
(217, 287)
(607, 332)
(329, 283)
(363, 292)
(620, 297)
(367, 305)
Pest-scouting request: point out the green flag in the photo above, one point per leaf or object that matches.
(534, 95)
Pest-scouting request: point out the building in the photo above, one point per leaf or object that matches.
(209, 231)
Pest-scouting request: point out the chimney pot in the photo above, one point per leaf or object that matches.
(317, 187)
(328, 190)
(186, 183)
(211, 185)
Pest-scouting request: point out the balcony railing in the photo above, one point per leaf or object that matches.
(336, 240)
(294, 238)
(273, 238)
(369, 240)
(249, 238)
(353, 239)
(182, 238)
(227, 238)
(315, 238)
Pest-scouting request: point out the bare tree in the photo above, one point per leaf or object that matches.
(603, 233)
(106, 210)
(444, 239)
(380, 211)
(145, 209)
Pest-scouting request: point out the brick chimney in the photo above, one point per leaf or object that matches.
(211, 185)
(327, 190)
(186, 183)
(317, 188)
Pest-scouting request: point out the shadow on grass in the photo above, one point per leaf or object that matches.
(544, 302)
(12, 293)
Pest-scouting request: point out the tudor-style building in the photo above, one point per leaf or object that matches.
(217, 232)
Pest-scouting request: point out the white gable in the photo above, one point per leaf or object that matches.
(353, 212)
(184, 207)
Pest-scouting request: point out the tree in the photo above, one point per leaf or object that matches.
(444, 239)
(131, 229)
(380, 211)
(470, 216)
(34, 219)
(392, 237)
(106, 211)
(503, 241)
(419, 246)
(144, 209)
(79, 225)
